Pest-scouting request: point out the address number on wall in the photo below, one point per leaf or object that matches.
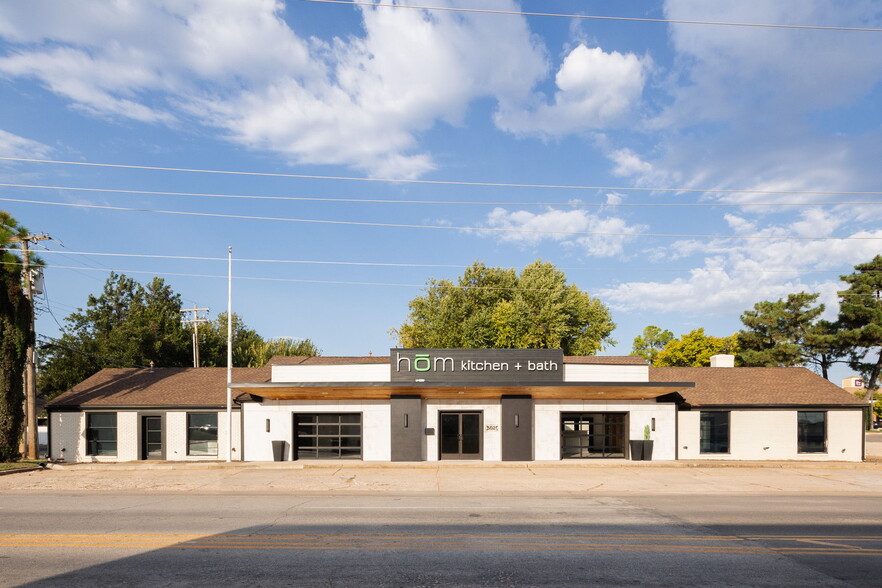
(492, 427)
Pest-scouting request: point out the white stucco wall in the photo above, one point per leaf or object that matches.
(68, 432)
(756, 434)
(491, 440)
(546, 432)
(578, 372)
(65, 430)
(370, 372)
(376, 425)
(383, 373)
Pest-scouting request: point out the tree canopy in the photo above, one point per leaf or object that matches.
(494, 307)
(127, 325)
(860, 320)
(131, 325)
(651, 343)
(15, 336)
(789, 333)
(249, 348)
(694, 349)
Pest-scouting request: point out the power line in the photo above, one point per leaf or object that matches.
(53, 342)
(441, 202)
(406, 265)
(327, 282)
(597, 17)
(441, 227)
(444, 182)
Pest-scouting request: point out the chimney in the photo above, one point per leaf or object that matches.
(722, 360)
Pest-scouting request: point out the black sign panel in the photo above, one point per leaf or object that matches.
(477, 366)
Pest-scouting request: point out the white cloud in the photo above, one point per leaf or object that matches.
(236, 65)
(613, 198)
(735, 273)
(748, 110)
(530, 228)
(730, 71)
(629, 163)
(595, 89)
(15, 146)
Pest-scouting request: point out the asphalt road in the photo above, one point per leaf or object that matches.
(253, 539)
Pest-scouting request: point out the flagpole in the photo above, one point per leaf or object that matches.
(229, 353)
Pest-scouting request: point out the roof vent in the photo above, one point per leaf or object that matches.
(722, 360)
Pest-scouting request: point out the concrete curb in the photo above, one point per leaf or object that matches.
(19, 470)
(336, 465)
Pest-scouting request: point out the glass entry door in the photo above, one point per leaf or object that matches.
(460, 435)
(151, 437)
(595, 434)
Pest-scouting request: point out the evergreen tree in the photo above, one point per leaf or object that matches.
(789, 333)
(860, 316)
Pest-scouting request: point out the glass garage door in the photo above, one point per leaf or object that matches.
(327, 436)
(586, 435)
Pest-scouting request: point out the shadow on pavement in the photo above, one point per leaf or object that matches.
(482, 555)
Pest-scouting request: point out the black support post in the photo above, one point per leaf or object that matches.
(407, 428)
(517, 427)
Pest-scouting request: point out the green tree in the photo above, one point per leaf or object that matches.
(126, 325)
(694, 349)
(651, 342)
(213, 342)
(249, 348)
(15, 336)
(497, 308)
(260, 353)
(788, 333)
(860, 317)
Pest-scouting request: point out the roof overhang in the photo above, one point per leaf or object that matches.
(387, 390)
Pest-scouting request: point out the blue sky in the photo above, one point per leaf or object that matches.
(710, 167)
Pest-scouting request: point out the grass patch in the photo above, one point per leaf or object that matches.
(17, 465)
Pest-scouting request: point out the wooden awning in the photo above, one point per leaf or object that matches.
(386, 390)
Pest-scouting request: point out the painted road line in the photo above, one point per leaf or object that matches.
(662, 543)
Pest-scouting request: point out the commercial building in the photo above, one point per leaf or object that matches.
(445, 404)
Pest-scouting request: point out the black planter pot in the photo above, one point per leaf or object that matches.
(636, 450)
(647, 450)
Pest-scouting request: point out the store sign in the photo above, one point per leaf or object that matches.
(477, 366)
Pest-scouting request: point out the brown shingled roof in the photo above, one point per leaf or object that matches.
(120, 387)
(754, 386)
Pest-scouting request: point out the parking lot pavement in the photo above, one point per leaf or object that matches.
(441, 479)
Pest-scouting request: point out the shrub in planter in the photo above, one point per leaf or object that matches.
(647, 445)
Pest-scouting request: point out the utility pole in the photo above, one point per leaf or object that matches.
(30, 373)
(194, 320)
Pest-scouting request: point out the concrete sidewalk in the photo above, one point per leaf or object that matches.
(502, 479)
(872, 463)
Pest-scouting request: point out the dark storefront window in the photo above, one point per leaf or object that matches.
(327, 436)
(811, 430)
(714, 432)
(587, 435)
(202, 433)
(101, 433)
